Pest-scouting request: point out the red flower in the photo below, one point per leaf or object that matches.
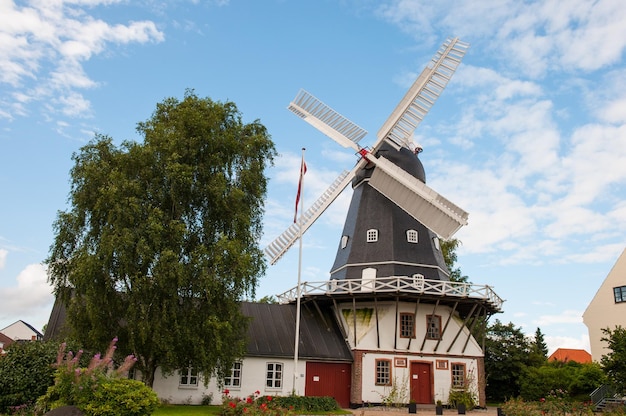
(257, 392)
(232, 405)
(227, 392)
(249, 400)
(269, 398)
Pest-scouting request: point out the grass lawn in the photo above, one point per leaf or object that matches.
(172, 410)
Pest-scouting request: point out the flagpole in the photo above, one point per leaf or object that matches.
(298, 289)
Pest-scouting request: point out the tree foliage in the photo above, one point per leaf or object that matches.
(538, 349)
(576, 379)
(448, 249)
(506, 355)
(614, 362)
(161, 239)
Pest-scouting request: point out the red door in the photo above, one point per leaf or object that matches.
(329, 379)
(421, 383)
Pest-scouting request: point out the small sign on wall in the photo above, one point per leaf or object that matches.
(442, 364)
(400, 362)
(316, 378)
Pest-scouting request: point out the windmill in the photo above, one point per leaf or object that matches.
(380, 165)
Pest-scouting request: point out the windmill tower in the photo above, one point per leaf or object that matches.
(389, 288)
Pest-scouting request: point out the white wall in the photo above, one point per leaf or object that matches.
(368, 339)
(253, 379)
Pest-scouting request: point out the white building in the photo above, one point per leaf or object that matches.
(607, 309)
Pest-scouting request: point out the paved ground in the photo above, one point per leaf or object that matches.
(429, 411)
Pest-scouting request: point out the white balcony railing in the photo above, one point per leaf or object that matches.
(395, 284)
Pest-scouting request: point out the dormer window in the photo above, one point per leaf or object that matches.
(411, 236)
(372, 235)
(437, 245)
(344, 241)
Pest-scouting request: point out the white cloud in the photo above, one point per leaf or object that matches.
(566, 317)
(3, 257)
(31, 297)
(44, 45)
(580, 343)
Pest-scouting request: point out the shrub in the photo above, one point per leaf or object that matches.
(121, 397)
(99, 389)
(25, 373)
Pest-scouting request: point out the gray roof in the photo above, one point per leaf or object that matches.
(272, 332)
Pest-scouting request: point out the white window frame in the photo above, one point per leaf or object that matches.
(188, 378)
(344, 241)
(233, 381)
(274, 375)
(372, 235)
(411, 236)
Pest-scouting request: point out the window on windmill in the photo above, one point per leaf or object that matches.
(407, 325)
(188, 377)
(433, 327)
(274, 376)
(383, 372)
(620, 294)
(436, 241)
(458, 375)
(372, 235)
(411, 236)
(234, 380)
(344, 241)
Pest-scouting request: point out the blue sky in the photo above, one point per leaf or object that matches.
(529, 137)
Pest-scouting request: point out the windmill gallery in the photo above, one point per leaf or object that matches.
(389, 317)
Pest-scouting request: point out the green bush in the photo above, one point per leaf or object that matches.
(121, 397)
(26, 372)
(99, 389)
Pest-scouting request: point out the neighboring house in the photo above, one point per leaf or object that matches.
(4, 343)
(21, 331)
(566, 354)
(607, 309)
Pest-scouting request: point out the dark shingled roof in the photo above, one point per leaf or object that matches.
(272, 332)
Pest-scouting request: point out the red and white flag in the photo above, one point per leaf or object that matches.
(302, 172)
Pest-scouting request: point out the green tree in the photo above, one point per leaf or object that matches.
(614, 362)
(506, 355)
(538, 349)
(448, 249)
(160, 243)
(577, 379)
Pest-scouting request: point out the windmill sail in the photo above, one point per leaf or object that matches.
(418, 200)
(326, 120)
(283, 242)
(402, 122)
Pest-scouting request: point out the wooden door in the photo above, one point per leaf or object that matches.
(421, 383)
(329, 379)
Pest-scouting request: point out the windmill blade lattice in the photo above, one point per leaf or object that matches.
(327, 120)
(280, 245)
(399, 127)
